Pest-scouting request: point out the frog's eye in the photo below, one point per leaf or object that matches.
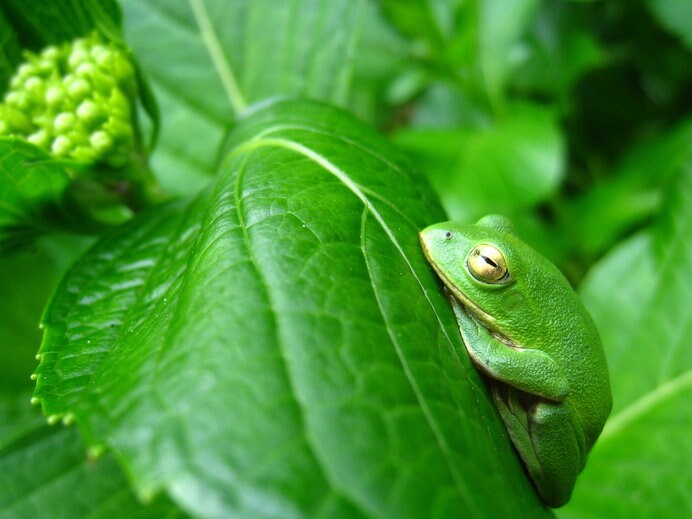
(487, 264)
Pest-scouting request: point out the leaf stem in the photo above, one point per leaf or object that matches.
(217, 55)
(641, 406)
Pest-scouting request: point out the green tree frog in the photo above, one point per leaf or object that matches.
(527, 331)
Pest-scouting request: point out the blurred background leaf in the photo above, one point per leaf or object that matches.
(675, 16)
(508, 165)
(45, 472)
(209, 60)
(32, 185)
(639, 295)
(38, 24)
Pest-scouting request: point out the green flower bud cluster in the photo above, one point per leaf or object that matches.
(74, 100)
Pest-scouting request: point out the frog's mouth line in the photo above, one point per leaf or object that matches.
(481, 317)
(476, 312)
(487, 320)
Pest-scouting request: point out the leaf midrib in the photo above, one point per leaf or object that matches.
(312, 444)
(343, 177)
(218, 57)
(645, 404)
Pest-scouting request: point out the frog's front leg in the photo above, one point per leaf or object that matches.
(532, 371)
(549, 440)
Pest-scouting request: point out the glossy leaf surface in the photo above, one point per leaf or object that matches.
(279, 346)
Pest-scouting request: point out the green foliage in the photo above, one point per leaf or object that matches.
(632, 294)
(323, 328)
(40, 466)
(272, 343)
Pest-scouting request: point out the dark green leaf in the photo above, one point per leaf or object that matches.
(45, 473)
(559, 48)
(279, 347)
(31, 187)
(47, 22)
(631, 194)
(10, 54)
(640, 298)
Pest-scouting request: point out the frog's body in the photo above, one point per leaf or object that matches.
(527, 330)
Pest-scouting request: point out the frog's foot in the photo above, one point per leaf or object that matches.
(548, 440)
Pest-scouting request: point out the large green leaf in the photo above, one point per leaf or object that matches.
(279, 347)
(45, 473)
(208, 59)
(640, 298)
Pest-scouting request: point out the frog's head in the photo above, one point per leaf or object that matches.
(498, 278)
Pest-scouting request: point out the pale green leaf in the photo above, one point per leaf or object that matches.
(640, 297)
(676, 16)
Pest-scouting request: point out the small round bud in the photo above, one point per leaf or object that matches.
(97, 50)
(41, 138)
(25, 70)
(78, 89)
(51, 53)
(78, 56)
(64, 121)
(101, 141)
(44, 68)
(33, 85)
(4, 127)
(54, 96)
(85, 70)
(19, 100)
(118, 128)
(61, 146)
(118, 104)
(84, 154)
(89, 112)
(16, 82)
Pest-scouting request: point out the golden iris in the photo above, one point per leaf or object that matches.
(487, 264)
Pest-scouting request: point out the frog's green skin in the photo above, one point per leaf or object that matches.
(532, 337)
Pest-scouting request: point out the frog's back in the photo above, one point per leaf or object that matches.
(587, 370)
(570, 336)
